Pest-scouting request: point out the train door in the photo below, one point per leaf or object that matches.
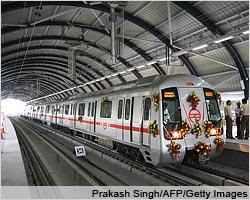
(119, 121)
(127, 121)
(93, 116)
(146, 121)
(71, 117)
(81, 122)
(74, 113)
(136, 119)
(89, 117)
(52, 111)
(60, 114)
(56, 113)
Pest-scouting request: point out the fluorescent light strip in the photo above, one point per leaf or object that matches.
(223, 39)
(123, 72)
(115, 74)
(151, 62)
(162, 59)
(141, 66)
(130, 69)
(200, 47)
(246, 32)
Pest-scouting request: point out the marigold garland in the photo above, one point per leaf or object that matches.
(196, 129)
(105, 100)
(193, 99)
(156, 101)
(207, 127)
(174, 149)
(185, 128)
(219, 143)
(202, 148)
(153, 128)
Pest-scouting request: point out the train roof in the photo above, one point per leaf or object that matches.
(160, 81)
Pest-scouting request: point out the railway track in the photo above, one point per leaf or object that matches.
(39, 176)
(65, 152)
(172, 174)
(168, 177)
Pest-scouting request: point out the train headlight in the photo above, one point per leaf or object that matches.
(174, 135)
(215, 131)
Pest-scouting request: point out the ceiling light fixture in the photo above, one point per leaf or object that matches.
(200, 47)
(246, 32)
(130, 69)
(123, 72)
(151, 62)
(223, 39)
(141, 66)
(162, 59)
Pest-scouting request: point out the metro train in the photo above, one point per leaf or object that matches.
(158, 119)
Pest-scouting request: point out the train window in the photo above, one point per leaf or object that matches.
(127, 109)
(42, 109)
(61, 110)
(81, 110)
(74, 109)
(47, 109)
(66, 111)
(89, 109)
(71, 109)
(147, 106)
(120, 105)
(53, 109)
(106, 109)
(213, 110)
(38, 108)
(171, 110)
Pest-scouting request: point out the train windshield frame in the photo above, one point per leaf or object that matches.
(171, 112)
(213, 110)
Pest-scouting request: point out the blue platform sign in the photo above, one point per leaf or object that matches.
(80, 151)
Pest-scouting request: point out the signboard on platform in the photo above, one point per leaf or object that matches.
(80, 151)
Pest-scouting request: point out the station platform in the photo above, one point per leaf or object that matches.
(12, 166)
(237, 144)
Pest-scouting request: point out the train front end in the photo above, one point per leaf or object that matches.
(191, 121)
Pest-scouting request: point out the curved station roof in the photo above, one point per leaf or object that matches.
(113, 43)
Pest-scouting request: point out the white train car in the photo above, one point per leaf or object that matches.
(161, 118)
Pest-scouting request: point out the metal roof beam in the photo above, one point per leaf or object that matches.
(48, 61)
(55, 37)
(65, 58)
(107, 66)
(203, 19)
(46, 66)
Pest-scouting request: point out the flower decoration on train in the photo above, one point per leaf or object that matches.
(105, 101)
(185, 128)
(203, 149)
(193, 99)
(218, 97)
(153, 128)
(156, 101)
(174, 149)
(207, 127)
(196, 129)
(219, 143)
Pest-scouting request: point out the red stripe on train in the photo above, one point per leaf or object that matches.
(117, 126)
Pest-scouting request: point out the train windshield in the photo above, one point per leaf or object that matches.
(171, 109)
(213, 110)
